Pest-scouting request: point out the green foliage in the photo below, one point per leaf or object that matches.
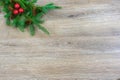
(30, 18)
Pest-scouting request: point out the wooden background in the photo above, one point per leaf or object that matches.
(84, 44)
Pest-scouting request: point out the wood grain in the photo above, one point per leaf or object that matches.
(84, 44)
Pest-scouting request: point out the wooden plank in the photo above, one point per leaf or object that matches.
(84, 44)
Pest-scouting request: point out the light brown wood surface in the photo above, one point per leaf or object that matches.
(84, 44)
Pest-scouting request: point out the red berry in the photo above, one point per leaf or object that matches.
(21, 10)
(15, 12)
(17, 5)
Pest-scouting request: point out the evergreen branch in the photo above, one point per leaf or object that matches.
(25, 13)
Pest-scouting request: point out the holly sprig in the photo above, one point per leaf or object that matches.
(24, 14)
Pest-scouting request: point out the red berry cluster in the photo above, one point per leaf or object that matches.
(17, 9)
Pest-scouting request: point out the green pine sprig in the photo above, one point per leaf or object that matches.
(30, 18)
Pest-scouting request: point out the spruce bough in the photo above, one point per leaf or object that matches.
(26, 14)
